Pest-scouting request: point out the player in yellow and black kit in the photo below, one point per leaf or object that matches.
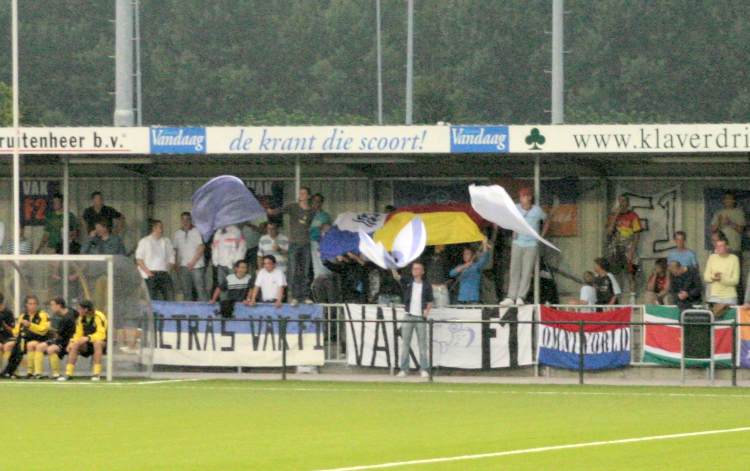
(62, 331)
(31, 328)
(7, 322)
(90, 338)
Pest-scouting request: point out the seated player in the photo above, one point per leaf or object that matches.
(235, 286)
(31, 329)
(7, 322)
(64, 322)
(90, 338)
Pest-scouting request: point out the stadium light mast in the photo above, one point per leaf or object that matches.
(379, 49)
(124, 114)
(409, 60)
(16, 158)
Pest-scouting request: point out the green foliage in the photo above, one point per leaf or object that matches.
(314, 62)
(6, 105)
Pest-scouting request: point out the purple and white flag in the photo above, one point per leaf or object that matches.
(407, 247)
(223, 201)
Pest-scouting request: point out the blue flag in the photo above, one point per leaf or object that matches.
(223, 201)
(336, 242)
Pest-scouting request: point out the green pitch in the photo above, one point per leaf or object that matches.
(253, 425)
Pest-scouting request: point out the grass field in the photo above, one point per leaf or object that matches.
(253, 425)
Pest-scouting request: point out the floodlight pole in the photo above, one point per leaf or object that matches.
(124, 115)
(409, 61)
(379, 47)
(16, 160)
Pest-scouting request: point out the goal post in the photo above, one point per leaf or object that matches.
(111, 282)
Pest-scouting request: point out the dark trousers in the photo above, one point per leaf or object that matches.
(160, 286)
(299, 270)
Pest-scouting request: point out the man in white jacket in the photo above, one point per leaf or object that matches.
(228, 247)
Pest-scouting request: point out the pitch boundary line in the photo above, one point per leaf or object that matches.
(525, 451)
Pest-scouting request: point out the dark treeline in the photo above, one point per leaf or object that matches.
(313, 61)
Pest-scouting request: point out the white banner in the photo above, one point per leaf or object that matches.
(660, 212)
(630, 138)
(76, 140)
(455, 345)
(328, 140)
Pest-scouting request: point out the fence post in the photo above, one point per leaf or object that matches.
(734, 352)
(282, 335)
(581, 342)
(431, 324)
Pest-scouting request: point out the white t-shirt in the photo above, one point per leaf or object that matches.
(415, 306)
(186, 243)
(615, 284)
(157, 254)
(265, 247)
(228, 247)
(269, 283)
(588, 295)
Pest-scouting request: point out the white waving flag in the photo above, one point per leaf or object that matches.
(407, 247)
(494, 204)
(355, 222)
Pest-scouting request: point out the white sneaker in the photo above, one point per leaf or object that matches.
(294, 302)
(424, 374)
(401, 374)
(507, 302)
(308, 301)
(95, 378)
(520, 302)
(63, 378)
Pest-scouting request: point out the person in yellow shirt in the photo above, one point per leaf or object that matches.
(31, 329)
(89, 339)
(723, 273)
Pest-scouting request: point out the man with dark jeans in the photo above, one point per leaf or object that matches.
(685, 285)
(300, 217)
(155, 258)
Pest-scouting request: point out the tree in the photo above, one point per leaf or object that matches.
(6, 105)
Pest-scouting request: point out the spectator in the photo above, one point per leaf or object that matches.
(90, 338)
(353, 274)
(723, 273)
(98, 210)
(252, 234)
(716, 236)
(320, 220)
(235, 287)
(155, 259)
(605, 283)
(524, 250)
(102, 243)
(624, 228)
(587, 295)
(273, 243)
(685, 285)
(468, 274)
(300, 217)
(53, 226)
(228, 248)
(685, 256)
(417, 295)
(270, 282)
(731, 221)
(189, 246)
(436, 268)
(657, 287)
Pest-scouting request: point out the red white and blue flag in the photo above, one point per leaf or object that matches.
(605, 346)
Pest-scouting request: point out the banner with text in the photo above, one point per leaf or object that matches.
(604, 346)
(630, 138)
(743, 359)
(455, 345)
(75, 140)
(36, 200)
(195, 334)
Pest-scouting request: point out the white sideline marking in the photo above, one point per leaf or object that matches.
(526, 451)
(160, 384)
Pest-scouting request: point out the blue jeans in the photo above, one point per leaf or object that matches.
(407, 329)
(194, 279)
